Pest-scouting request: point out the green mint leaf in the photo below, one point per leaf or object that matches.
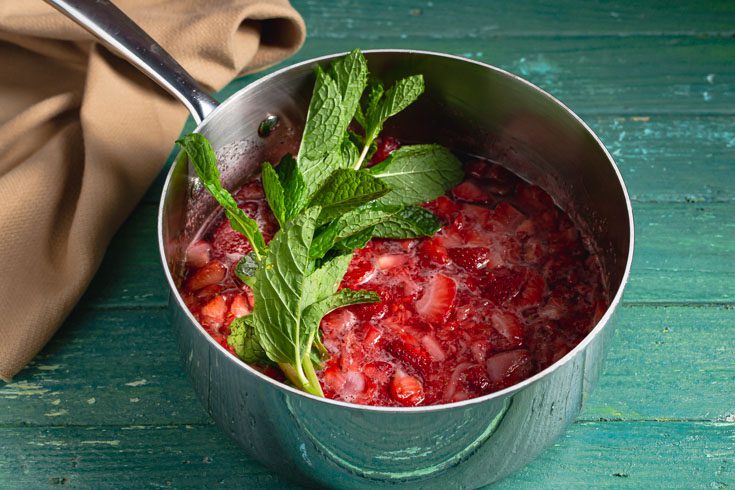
(204, 160)
(349, 224)
(355, 241)
(325, 280)
(350, 74)
(323, 131)
(344, 190)
(242, 339)
(381, 106)
(314, 313)
(409, 222)
(278, 295)
(274, 192)
(372, 102)
(245, 269)
(418, 173)
(294, 189)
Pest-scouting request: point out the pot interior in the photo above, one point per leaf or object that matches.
(468, 107)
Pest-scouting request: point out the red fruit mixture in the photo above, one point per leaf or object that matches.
(503, 290)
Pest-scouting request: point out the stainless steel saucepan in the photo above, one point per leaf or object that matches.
(469, 106)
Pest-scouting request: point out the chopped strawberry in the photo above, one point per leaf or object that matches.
(477, 380)
(240, 306)
(406, 349)
(533, 250)
(508, 368)
(338, 321)
(228, 243)
(197, 255)
(438, 298)
(502, 284)
(471, 192)
(390, 261)
(476, 214)
(360, 271)
(378, 371)
(372, 336)
(444, 208)
(406, 390)
(533, 198)
(478, 168)
(509, 326)
(432, 251)
(385, 146)
(433, 347)
(505, 218)
(532, 292)
(210, 274)
(214, 312)
(470, 258)
(333, 378)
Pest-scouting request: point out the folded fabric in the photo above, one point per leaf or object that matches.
(83, 134)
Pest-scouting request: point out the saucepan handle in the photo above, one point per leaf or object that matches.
(111, 26)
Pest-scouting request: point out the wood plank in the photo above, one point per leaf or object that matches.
(635, 76)
(447, 19)
(599, 455)
(661, 157)
(673, 263)
(119, 367)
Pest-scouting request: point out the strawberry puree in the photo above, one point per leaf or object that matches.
(503, 290)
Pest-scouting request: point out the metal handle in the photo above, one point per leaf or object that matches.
(111, 26)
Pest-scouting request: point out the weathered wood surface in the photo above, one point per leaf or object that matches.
(106, 404)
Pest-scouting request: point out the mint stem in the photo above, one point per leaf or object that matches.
(363, 154)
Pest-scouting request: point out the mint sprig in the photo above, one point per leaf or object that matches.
(326, 206)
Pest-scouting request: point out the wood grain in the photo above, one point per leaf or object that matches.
(632, 454)
(660, 355)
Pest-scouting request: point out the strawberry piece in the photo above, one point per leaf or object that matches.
(477, 168)
(438, 298)
(389, 261)
(502, 284)
(470, 258)
(432, 251)
(509, 326)
(406, 350)
(471, 192)
(333, 378)
(508, 368)
(406, 390)
(378, 372)
(533, 198)
(432, 346)
(477, 380)
(505, 218)
(212, 273)
(338, 321)
(476, 214)
(444, 208)
(214, 312)
(228, 243)
(533, 291)
(240, 306)
(385, 146)
(197, 255)
(359, 272)
(372, 336)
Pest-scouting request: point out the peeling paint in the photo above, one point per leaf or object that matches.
(137, 382)
(109, 443)
(22, 388)
(58, 413)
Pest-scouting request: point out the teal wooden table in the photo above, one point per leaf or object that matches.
(106, 404)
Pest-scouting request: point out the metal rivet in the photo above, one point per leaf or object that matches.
(267, 125)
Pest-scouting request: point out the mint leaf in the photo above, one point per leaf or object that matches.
(350, 74)
(325, 280)
(314, 313)
(204, 160)
(409, 222)
(242, 339)
(418, 173)
(381, 106)
(355, 241)
(273, 192)
(323, 130)
(294, 189)
(344, 190)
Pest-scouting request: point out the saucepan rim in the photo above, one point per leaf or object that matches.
(430, 408)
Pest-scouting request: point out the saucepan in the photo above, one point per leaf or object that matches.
(471, 107)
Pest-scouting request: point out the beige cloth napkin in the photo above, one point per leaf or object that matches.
(82, 135)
